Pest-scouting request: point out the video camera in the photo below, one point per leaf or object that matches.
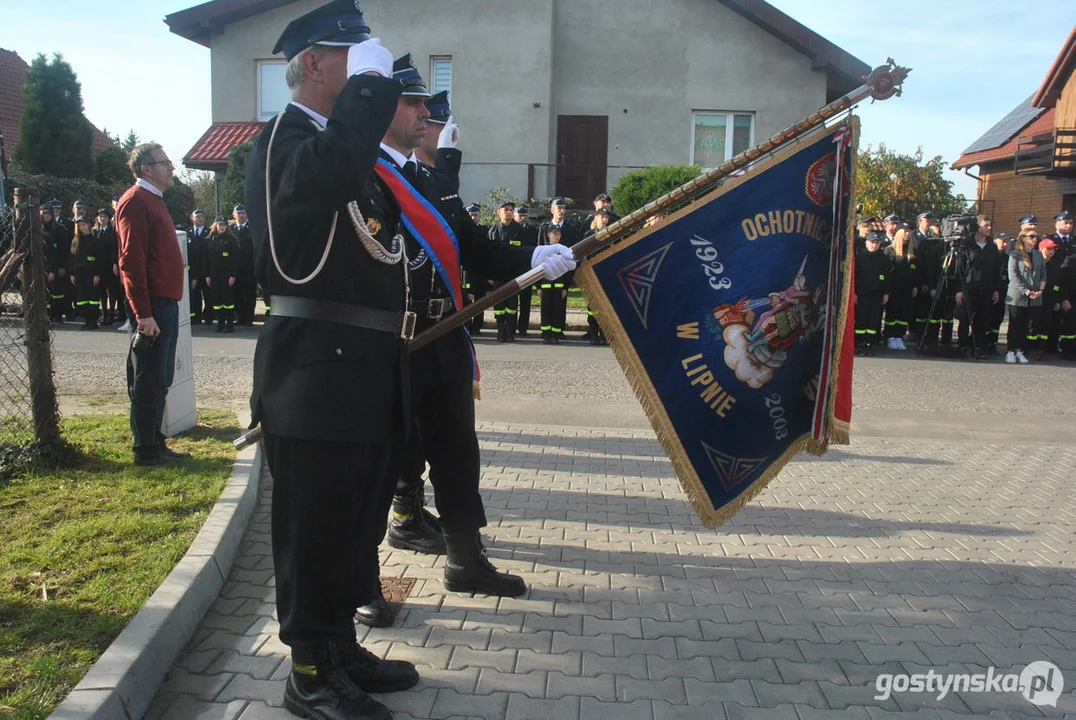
(960, 227)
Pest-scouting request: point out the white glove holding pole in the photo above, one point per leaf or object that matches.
(369, 56)
(450, 134)
(555, 259)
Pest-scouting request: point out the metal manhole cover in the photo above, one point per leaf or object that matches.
(396, 590)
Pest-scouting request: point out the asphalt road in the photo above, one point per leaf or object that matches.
(575, 384)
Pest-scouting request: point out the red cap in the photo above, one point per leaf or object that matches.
(1047, 243)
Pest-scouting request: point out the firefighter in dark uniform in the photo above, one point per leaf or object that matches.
(443, 373)
(474, 286)
(198, 270)
(923, 242)
(1047, 320)
(1066, 248)
(510, 232)
(222, 273)
(978, 282)
(108, 250)
(87, 264)
(1005, 246)
(330, 364)
(603, 216)
(871, 292)
(530, 239)
(246, 289)
(57, 252)
(1065, 297)
(439, 146)
(553, 295)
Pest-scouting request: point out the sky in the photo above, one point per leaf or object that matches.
(972, 62)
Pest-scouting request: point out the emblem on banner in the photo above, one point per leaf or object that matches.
(820, 177)
(638, 280)
(731, 471)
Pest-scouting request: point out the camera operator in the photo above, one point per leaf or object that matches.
(978, 273)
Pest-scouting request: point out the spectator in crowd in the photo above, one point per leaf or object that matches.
(57, 252)
(904, 286)
(197, 270)
(151, 268)
(246, 288)
(1048, 318)
(602, 217)
(1027, 279)
(511, 232)
(222, 270)
(529, 235)
(978, 281)
(87, 260)
(871, 292)
(553, 295)
(108, 247)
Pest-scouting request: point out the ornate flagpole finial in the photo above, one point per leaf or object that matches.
(887, 80)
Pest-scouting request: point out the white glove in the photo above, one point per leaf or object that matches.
(369, 56)
(557, 260)
(450, 134)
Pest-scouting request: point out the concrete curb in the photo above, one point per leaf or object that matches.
(122, 683)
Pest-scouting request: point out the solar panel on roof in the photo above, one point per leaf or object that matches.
(1007, 127)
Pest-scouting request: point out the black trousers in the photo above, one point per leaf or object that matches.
(443, 412)
(554, 308)
(1019, 334)
(246, 295)
(330, 503)
(997, 316)
(920, 309)
(868, 317)
(1067, 333)
(87, 296)
(524, 323)
(201, 303)
(1046, 327)
(412, 465)
(478, 288)
(899, 311)
(224, 298)
(975, 314)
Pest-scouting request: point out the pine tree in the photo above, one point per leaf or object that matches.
(130, 142)
(54, 136)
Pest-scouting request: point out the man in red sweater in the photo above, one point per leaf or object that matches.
(152, 272)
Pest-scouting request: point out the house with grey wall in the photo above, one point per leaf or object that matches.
(553, 97)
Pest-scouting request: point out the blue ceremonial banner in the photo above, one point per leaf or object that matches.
(729, 320)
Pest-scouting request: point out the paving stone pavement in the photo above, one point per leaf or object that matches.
(888, 556)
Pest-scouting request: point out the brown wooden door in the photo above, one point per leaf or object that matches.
(582, 154)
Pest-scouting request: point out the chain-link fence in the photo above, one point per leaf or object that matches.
(29, 416)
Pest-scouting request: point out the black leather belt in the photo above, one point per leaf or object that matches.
(401, 324)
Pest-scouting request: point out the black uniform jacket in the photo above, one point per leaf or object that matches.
(222, 257)
(197, 260)
(315, 379)
(91, 256)
(980, 268)
(57, 247)
(479, 254)
(244, 237)
(873, 272)
(448, 161)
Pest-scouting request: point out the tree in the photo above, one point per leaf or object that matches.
(111, 164)
(204, 186)
(180, 201)
(54, 136)
(233, 189)
(130, 142)
(642, 186)
(889, 182)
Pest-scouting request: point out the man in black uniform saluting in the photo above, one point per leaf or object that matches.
(330, 366)
(443, 373)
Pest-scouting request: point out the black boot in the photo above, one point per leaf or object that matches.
(510, 328)
(320, 687)
(229, 326)
(220, 325)
(468, 570)
(374, 675)
(502, 333)
(377, 612)
(413, 527)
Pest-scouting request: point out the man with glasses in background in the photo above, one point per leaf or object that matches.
(152, 273)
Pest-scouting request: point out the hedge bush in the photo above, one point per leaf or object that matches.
(642, 186)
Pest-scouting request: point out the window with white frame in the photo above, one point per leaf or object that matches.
(441, 75)
(273, 93)
(719, 136)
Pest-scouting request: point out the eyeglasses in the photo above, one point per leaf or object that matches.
(167, 163)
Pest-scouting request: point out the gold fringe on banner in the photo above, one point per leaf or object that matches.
(644, 390)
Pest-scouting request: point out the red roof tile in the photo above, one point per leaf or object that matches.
(12, 79)
(213, 148)
(1042, 124)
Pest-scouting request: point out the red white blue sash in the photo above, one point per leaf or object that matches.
(428, 228)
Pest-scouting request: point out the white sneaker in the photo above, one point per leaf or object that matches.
(891, 343)
(1010, 357)
(900, 344)
(1020, 357)
(125, 327)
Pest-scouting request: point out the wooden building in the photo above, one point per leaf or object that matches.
(1027, 161)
